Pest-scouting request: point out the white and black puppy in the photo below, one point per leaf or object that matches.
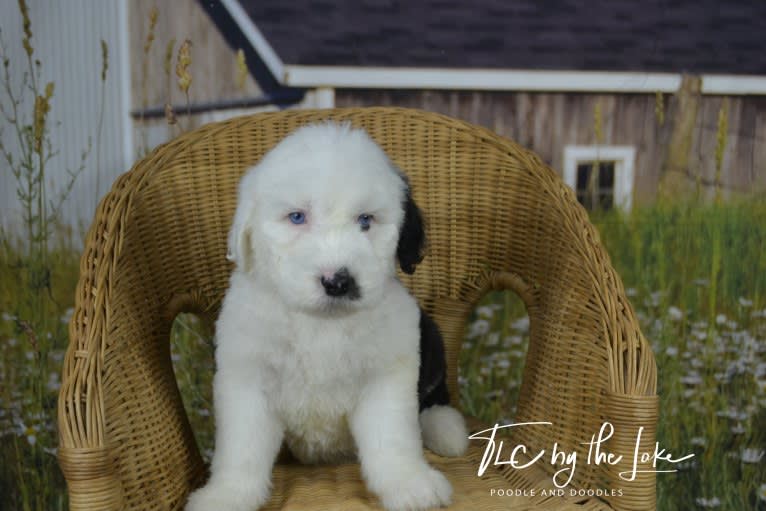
(319, 344)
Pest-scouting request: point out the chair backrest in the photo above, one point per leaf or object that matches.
(497, 218)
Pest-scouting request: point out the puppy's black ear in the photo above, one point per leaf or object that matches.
(412, 235)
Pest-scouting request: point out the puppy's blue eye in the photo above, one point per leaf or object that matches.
(364, 220)
(297, 217)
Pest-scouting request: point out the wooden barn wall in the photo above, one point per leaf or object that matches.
(547, 122)
(213, 69)
(214, 65)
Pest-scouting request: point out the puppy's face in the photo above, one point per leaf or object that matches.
(323, 218)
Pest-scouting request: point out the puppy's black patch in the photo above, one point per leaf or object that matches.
(412, 236)
(432, 379)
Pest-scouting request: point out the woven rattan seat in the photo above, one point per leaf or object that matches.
(498, 218)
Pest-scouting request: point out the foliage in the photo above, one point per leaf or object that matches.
(34, 274)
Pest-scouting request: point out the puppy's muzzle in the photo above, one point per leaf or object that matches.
(340, 284)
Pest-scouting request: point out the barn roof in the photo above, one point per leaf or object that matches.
(650, 36)
(700, 36)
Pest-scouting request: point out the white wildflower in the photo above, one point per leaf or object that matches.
(736, 367)
(708, 503)
(493, 339)
(744, 302)
(698, 441)
(53, 381)
(67, 316)
(721, 377)
(738, 429)
(734, 414)
(762, 492)
(751, 455)
(700, 334)
(692, 378)
(675, 313)
(478, 328)
(671, 351)
(8, 317)
(503, 363)
(512, 340)
(521, 324)
(485, 311)
(720, 319)
(631, 291)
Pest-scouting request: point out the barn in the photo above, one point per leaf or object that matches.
(627, 100)
(637, 87)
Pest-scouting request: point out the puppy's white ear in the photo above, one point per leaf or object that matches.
(240, 248)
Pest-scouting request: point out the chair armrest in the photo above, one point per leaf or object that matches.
(123, 431)
(588, 362)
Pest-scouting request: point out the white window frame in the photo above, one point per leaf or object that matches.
(624, 158)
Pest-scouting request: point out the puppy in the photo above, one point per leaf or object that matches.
(319, 345)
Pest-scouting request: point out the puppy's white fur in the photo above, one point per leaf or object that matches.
(333, 378)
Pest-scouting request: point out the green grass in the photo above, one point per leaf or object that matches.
(696, 276)
(34, 306)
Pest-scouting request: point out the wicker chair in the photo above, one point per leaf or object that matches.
(498, 218)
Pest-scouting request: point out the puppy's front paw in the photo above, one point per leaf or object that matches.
(426, 489)
(227, 497)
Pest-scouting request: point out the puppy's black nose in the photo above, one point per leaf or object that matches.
(340, 284)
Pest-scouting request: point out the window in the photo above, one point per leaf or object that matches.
(595, 184)
(606, 185)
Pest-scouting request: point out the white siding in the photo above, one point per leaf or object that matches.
(66, 38)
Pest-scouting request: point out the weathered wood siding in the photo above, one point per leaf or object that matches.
(213, 69)
(214, 64)
(548, 122)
